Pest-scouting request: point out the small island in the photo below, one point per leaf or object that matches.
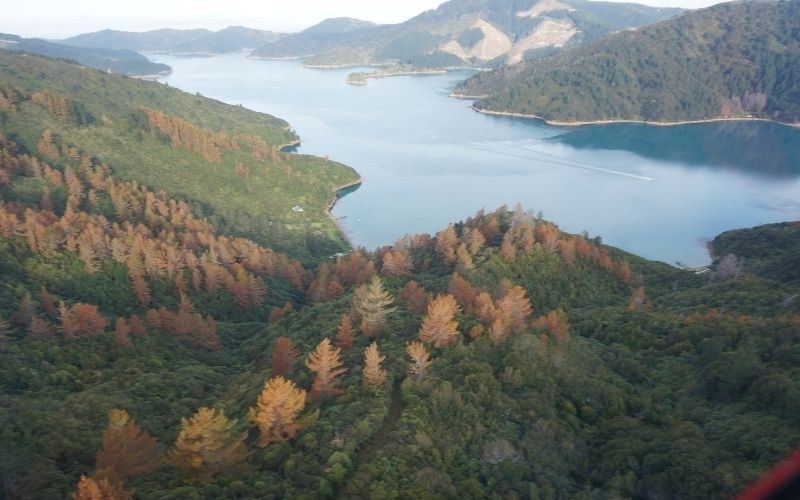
(357, 78)
(360, 78)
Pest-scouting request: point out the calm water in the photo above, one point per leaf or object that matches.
(428, 160)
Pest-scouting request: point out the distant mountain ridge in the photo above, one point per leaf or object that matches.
(733, 60)
(324, 37)
(230, 39)
(470, 32)
(339, 25)
(121, 61)
(153, 264)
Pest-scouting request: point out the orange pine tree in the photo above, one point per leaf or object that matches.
(396, 263)
(463, 292)
(136, 325)
(46, 147)
(484, 309)
(326, 363)
(420, 360)
(207, 446)
(39, 328)
(48, 302)
(507, 249)
(141, 290)
(515, 308)
(276, 410)
(557, 323)
(373, 373)
(100, 489)
(283, 357)
(498, 331)
(344, 335)
(623, 271)
(81, 320)
(414, 297)
(355, 268)
(474, 240)
(127, 450)
(279, 313)
(463, 259)
(446, 244)
(438, 326)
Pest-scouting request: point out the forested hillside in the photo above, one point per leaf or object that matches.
(173, 41)
(468, 32)
(151, 350)
(122, 61)
(223, 160)
(733, 60)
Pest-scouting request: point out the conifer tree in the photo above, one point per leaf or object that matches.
(414, 297)
(373, 373)
(396, 263)
(557, 323)
(463, 292)
(46, 147)
(438, 327)
(276, 410)
(127, 450)
(81, 320)
(283, 357)
(344, 334)
(326, 363)
(446, 244)
(207, 446)
(514, 308)
(420, 360)
(373, 305)
(100, 489)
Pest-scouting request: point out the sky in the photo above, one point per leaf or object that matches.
(60, 18)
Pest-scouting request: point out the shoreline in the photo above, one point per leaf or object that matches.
(467, 97)
(261, 58)
(410, 72)
(557, 123)
(336, 197)
(345, 66)
(289, 145)
(151, 76)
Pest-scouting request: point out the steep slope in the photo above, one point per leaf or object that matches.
(474, 32)
(321, 38)
(196, 41)
(122, 61)
(510, 359)
(628, 378)
(225, 159)
(771, 251)
(734, 60)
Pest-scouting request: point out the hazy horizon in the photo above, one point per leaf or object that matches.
(58, 19)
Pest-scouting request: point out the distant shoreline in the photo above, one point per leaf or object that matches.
(345, 66)
(468, 97)
(406, 72)
(557, 123)
(289, 145)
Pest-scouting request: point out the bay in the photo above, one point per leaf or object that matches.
(428, 160)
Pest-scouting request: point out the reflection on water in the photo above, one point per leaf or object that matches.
(427, 160)
(757, 148)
